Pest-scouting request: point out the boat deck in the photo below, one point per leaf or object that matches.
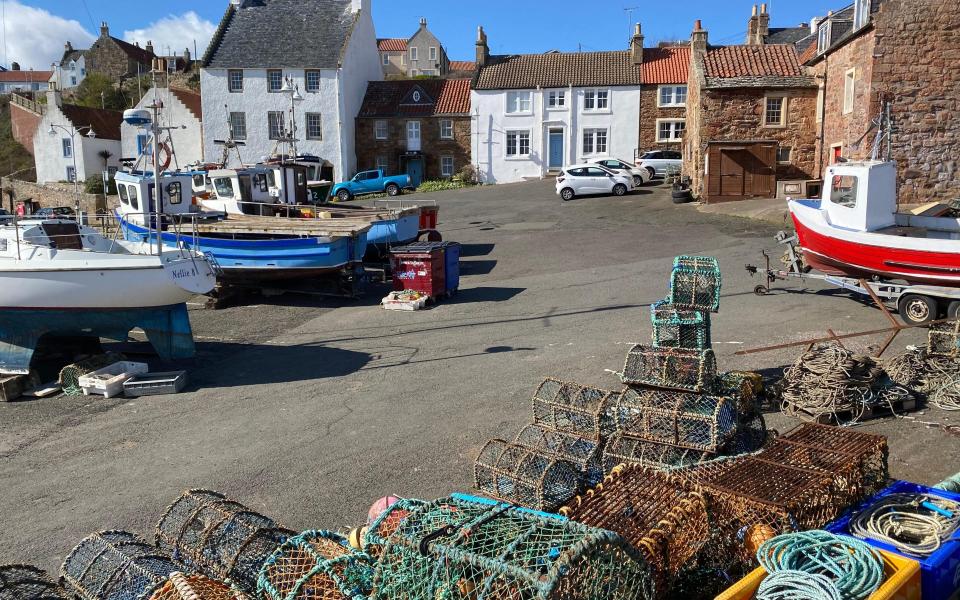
(235, 224)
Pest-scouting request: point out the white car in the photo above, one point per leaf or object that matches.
(658, 162)
(640, 176)
(581, 180)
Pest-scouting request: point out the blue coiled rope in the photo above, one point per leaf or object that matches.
(853, 569)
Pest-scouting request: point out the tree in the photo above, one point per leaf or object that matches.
(98, 91)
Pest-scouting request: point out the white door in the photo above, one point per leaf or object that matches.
(413, 136)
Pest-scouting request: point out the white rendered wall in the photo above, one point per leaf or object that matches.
(187, 143)
(361, 64)
(48, 155)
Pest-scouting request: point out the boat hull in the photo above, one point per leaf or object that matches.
(394, 231)
(849, 253)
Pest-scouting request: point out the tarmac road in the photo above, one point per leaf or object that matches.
(309, 409)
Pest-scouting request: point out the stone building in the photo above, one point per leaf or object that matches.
(751, 113)
(906, 53)
(663, 97)
(418, 127)
(420, 54)
(116, 58)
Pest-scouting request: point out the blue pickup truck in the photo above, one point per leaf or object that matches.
(371, 182)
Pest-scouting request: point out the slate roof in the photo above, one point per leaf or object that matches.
(25, 76)
(394, 98)
(787, 35)
(105, 123)
(391, 45)
(559, 69)
(666, 65)
(135, 52)
(463, 65)
(262, 34)
(755, 66)
(69, 55)
(190, 99)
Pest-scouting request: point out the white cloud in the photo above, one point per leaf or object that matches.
(172, 34)
(34, 37)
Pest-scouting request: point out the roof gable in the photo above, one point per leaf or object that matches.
(558, 69)
(392, 45)
(191, 100)
(396, 98)
(666, 65)
(416, 96)
(136, 53)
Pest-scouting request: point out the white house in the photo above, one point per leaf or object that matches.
(329, 50)
(16, 80)
(536, 113)
(71, 70)
(181, 111)
(69, 151)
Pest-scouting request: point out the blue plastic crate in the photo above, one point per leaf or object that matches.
(939, 572)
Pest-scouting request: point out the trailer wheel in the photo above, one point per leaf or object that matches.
(953, 310)
(761, 290)
(916, 309)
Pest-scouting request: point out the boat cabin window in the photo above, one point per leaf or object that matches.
(122, 190)
(198, 181)
(271, 179)
(134, 203)
(843, 190)
(301, 178)
(224, 187)
(260, 179)
(174, 193)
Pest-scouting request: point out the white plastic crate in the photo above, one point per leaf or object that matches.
(108, 381)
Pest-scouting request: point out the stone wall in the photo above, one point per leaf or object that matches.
(649, 113)
(52, 195)
(24, 122)
(107, 58)
(369, 148)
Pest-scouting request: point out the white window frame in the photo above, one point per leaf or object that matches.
(443, 166)
(71, 173)
(849, 90)
(593, 134)
(446, 129)
(673, 139)
(66, 146)
(270, 74)
(233, 129)
(784, 104)
(230, 86)
(593, 95)
(306, 81)
(514, 99)
(557, 100)
(673, 96)
(433, 53)
(386, 59)
(506, 145)
(280, 122)
(823, 36)
(381, 129)
(414, 53)
(820, 98)
(789, 160)
(861, 13)
(382, 163)
(306, 125)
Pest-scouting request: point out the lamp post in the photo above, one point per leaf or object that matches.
(290, 88)
(73, 132)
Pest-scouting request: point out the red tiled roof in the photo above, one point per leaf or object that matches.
(753, 61)
(666, 65)
(105, 123)
(384, 98)
(463, 65)
(25, 76)
(392, 45)
(808, 54)
(190, 99)
(559, 69)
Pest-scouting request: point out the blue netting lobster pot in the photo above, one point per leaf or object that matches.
(525, 476)
(626, 449)
(570, 407)
(461, 548)
(316, 565)
(674, 328)
(584, 453)
(671, 368)
(695, 283)
(115, 565)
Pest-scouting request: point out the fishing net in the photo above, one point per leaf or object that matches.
(674, 328)
(622, 448)
(465, 549)
(115, 565)
(695, 283)
(671, 368)
(680, 419)
(26, 582)
(386, 524)
(525, 476)
(70, 375)
(943, 339)
(316, 565)
(584, 453)
(194, 587)
(218, 537)
(662, 517)
(569, 407)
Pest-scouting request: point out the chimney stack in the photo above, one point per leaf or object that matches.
(104, 29)
(753, 25)
(423, 23)
(68, 47)
(483, 50)
(698, 39)
(186, 58)
(763, 27)
(636, 45)
(149, 47)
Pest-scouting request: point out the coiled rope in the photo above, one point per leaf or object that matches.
(936, 377)
(853, 569)
(915, 524)
(797, 585)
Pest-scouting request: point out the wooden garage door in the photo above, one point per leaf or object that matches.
(741, 171)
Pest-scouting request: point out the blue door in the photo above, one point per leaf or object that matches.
(415, 171)
(556, 149)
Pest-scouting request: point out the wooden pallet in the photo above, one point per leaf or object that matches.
(870, 412)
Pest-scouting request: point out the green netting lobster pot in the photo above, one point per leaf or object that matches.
(26, 582)
(671, 368)
(943, 339)
(569, 407)
(625, 449)
(525, 476)
(468, 549)
(383, 526)
(583, 452)
(674, 328)
(683, 419)
(115, 565)
(316, 565)
(218, 537)
(695, 283)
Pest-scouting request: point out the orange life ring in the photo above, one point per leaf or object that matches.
(164, 152)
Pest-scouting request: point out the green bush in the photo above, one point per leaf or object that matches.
(94, 185)
(441, 185)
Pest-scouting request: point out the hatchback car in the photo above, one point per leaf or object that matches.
(56, 212)
(658, 162)
(582, 180)
(640, 176)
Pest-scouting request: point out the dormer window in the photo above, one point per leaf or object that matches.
(861, 13)
(823, 37)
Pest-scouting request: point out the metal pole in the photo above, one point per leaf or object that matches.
(76, 175)
(157, 188)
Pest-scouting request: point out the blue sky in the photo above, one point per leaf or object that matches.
(36, 29)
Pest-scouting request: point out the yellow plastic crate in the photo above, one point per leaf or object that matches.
(901, 581)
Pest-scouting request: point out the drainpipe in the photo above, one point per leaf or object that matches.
(823, 116)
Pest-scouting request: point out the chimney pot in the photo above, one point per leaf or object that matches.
(754, 10)
(104, 29)
(763, 8)
(636, 45)
(483, 50)
(423, 22)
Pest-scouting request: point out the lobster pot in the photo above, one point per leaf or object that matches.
(584, 453)
(695, 283)
(743, 388)
(26, 582)
(569, 407)
(115, 565)
(524, 476)
(316, 565)
(463, 549)
(680, 419)
(625, 449)
(218, 537)
(674, 328)
(671, 368)
(387, 523)
(867, 453)
(751, 435)
(662, 517)
(943, 339)
(194, 587)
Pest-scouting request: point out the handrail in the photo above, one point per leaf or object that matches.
(276, 209)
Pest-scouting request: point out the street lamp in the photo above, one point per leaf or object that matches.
(73, 132)
(290, 88)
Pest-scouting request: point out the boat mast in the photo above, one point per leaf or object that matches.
(157, 189)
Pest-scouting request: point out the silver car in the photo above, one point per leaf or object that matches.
(660, 162)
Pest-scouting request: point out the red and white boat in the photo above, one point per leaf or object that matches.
(854, 230)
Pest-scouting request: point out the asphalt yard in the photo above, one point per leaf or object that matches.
(308, 408)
